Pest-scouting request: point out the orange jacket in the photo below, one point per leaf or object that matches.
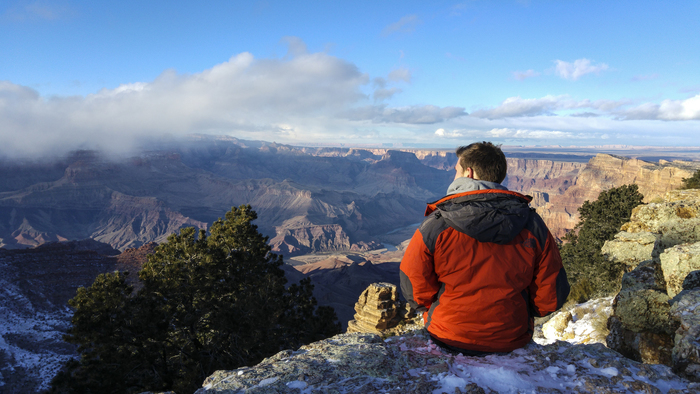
(479, 267)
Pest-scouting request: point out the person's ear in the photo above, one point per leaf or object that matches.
(469, 173)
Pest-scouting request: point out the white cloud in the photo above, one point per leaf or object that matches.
(547, 105)
(243, 94)
(522, 75)
(295, 46)
(678, 110)
(517, 106)
(577, 69)
(507, 133)
(407, 24)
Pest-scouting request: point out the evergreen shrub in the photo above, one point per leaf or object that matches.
(208, 302)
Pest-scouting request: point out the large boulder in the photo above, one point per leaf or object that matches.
(677, 262)
(642, 303)
(641, 326)
(685, 308)
(631, 248)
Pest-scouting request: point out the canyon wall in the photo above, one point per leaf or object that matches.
(604, 172)
(307, 199)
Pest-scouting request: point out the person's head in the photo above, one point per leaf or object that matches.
(481, 160)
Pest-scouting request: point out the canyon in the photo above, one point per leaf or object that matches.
(340, 216)
(308, 200)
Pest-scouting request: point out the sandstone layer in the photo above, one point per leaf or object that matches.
(378, 309)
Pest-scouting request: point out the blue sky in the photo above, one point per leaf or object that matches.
(109, 75)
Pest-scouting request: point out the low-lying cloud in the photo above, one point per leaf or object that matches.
(292, 96)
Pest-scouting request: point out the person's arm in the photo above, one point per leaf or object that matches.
(419, 283)
(550, 287)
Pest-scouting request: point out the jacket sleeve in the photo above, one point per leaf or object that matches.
(550, 287)
(419, 284)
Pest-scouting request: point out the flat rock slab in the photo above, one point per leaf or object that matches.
(364, 363)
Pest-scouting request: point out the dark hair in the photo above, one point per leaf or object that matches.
(485, 158)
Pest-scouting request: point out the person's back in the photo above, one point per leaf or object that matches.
(482, 263)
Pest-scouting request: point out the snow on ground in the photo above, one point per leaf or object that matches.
(30, 341)
(581, 324)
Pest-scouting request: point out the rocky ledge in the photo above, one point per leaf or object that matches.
(366, 363)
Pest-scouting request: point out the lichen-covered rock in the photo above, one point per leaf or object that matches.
(647, 275)
(377, 309)
(676, 220)
(646, 347)
(686, 353)
(630, 248)
(642, 304)
(644, 310)
(677, 262)
(363, 363)
(641, 327)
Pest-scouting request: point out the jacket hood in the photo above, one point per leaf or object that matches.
(464, 184)
(487, 215)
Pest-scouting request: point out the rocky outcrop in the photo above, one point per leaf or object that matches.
(364, 363)
(677, 262)
(378, 309)
(685, 310)
(659, 246)
(631, 249)
(641, 327)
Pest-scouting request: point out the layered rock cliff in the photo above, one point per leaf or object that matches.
(306, 202)
(604, 172)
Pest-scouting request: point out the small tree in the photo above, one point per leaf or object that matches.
(590, 273)
(693, 182)
(208, 303)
